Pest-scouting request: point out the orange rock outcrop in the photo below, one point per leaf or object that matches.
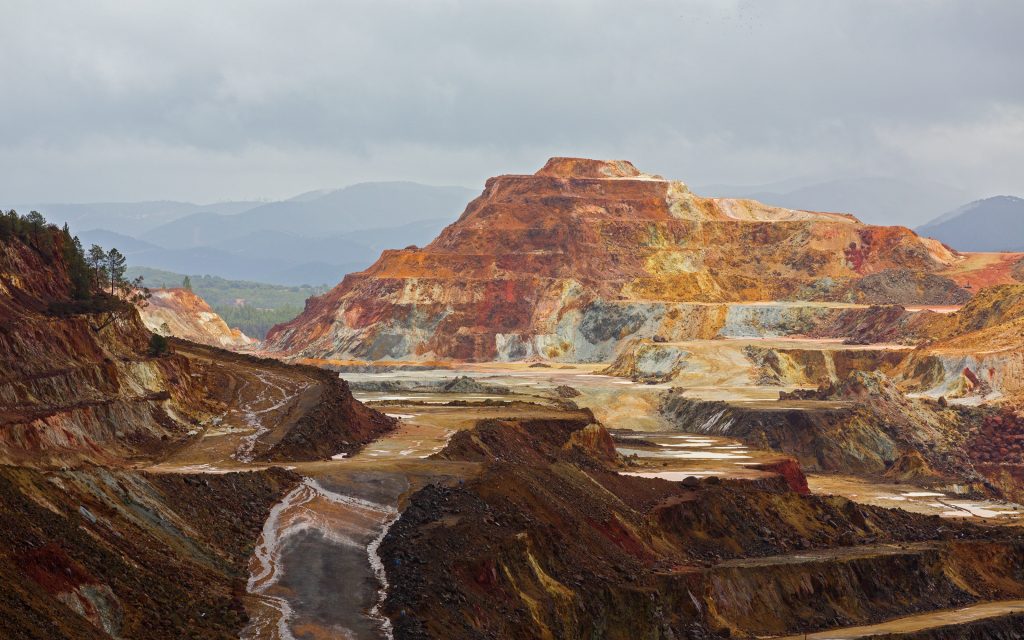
(76, 381)
(183, 314)
(563, 263)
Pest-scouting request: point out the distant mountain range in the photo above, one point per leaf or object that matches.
(318, 236)
(370, 205)
(313, 238)
(131, 218)
(990, 224)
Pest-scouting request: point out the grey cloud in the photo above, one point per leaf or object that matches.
(241, 99)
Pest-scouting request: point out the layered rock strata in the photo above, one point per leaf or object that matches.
(183, 314)
(548, 541)
(77, 381)
(96, 554)
(566, 263)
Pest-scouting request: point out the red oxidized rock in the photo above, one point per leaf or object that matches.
(527, 261)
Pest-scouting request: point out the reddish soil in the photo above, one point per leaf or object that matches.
(544, 545)
(143, 556)
(532, 248)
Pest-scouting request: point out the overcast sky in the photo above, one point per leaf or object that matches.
(207, 101)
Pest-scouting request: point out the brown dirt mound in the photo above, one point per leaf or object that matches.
(911, 465)
(565, 391)
(137, 555)
(335, 423)
(538, 546)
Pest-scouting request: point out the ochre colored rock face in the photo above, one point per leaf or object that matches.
(183, 314)
(79, 386)
(588, 168)
(565, 263)
(79, 382)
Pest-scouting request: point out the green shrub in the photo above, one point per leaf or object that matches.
(158, 345)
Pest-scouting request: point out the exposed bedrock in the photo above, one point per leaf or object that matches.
(581, 329)
(79, 381)
(316, 415)
(862, 425)
(644, 361)
(76, 380)
(901, 284)
(533, 442)
(183, 314)
(88, 396)
(564, 265)
(1006, 477)
(550, 542)
(331, 422)
(596, 332)
(751, 363)
(977, 351)
(98, 553)
(842, 587)
(956, 375)
(818, 366)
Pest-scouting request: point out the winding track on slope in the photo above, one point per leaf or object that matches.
(312, 522)
(315, 571)
(920, 622)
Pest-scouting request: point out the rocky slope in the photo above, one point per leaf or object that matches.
(863, 424)
(133, 555)
(183, 314)
(549, 542)
(76, 380)
(866, 425)
(330, 422)
(79, 382)
(761, 362)
(92, 547)
(977, 351)
(566, 263)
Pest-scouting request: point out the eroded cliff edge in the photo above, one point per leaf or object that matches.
(91, 546)
(549, 541)
(566, 263)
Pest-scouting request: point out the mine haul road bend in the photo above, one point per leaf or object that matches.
(315, 572)
(260, 404)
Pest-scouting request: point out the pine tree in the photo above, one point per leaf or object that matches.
(78, 271)
(37, 232)
(36, 221)
(158, 345)
(186, 284)
(116, 266)
(97, 261)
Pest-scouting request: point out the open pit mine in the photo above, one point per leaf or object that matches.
(598, 405)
